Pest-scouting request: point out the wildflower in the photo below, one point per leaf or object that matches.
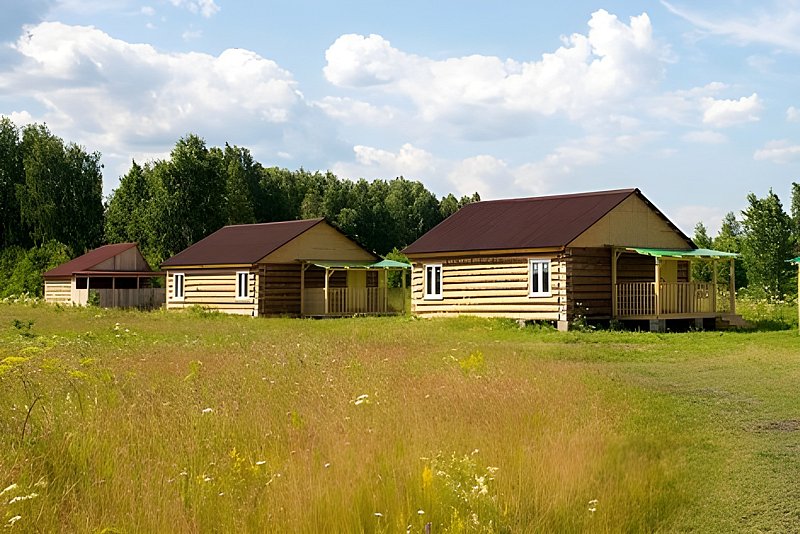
(593, 505)
(208, 410)
(378, 514)
(361, 399)
(421, 512)
(14, 520)
(23, 498)
(327, 465)
(261, 462)
(10, 488)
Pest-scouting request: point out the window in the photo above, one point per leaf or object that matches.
(539, 274)
(242, 284)
(433, 282)
(177, 286)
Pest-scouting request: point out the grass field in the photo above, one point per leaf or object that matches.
(114, 421)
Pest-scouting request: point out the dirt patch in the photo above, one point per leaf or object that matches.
(787, 425)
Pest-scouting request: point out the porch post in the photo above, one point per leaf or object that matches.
(658, 287)
(614, 257)
(714, 281)
(732, 287)
(385, 306)
(326, 291)
(302, 288)
(403, 277)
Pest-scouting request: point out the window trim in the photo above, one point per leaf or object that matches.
(239, 286)
(549, 264)
(426, 293)
(175, 277)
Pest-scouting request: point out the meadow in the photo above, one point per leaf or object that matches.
(121, 421)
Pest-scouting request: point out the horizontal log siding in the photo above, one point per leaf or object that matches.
(58, 291)
(490, 287)
(214, 289)
(281, 293)
(588, 282)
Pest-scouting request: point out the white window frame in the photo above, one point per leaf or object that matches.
(538, 273)
(242, 290)
(430, 293)
(175, 285)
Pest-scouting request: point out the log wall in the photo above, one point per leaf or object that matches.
(58, 291)
(214, 289)
(490, 287)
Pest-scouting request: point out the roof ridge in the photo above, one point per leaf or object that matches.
(561, 195)
(317, 219)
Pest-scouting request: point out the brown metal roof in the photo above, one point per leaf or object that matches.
(88, 260)
(536, 222)
(241, 243)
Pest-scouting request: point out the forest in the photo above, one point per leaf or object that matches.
(53, 209)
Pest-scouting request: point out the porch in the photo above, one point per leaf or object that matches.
(119, 289)
(671, 294)
(363, 290)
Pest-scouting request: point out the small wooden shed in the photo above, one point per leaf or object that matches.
(298, 268)
(118, 273)
(588, 256)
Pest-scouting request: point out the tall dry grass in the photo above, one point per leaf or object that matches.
(135, 422)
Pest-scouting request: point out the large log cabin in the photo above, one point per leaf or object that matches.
(593, 256)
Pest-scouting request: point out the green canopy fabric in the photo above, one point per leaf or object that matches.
(383, 264)
(696, 253)
(796, 260)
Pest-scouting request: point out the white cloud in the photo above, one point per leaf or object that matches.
(778, 152)
(206, 8)
(353, 111)
(611, 62)
(777, 25)
(704, 136)
(122, 98)
(21, 118)
(792, 114)
(720, 113)
(148, 11)
(191, 35)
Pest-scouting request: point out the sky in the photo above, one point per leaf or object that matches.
(696, 103)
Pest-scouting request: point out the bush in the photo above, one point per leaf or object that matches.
(21, 270)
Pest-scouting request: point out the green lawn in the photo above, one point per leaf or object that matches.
(184, 422)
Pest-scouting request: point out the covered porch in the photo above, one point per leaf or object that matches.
(352, 288)
(671, 293)
(119, 289)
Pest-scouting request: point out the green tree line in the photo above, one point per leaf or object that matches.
(53, 208)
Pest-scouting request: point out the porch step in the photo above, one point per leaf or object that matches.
(731, 320)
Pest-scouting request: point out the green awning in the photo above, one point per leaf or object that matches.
(696, 253)
(383, 264)
(796, 260)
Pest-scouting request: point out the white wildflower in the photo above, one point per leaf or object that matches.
(327, 465)
(261, 462)
(208, 410)
(12, 487)
(593, 505)
(14, 520)
(361, 399)
(421, 512)
(23, 498)
(378, 514)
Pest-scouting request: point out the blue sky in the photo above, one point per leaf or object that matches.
(696, 103)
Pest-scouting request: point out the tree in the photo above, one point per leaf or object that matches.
(61, 197)
(701, 270)
(130, 213)
(795, 213)
(12, 175)
(729, 239)
(766, 246)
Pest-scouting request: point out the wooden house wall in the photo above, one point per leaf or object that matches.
(214, 289)
(632, 223)
(588, 282)
(128, 260)
(490, 287)
(281, 286)
(58, 291)
(322, 242)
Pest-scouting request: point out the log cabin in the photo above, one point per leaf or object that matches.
(596, 257)
(304, 268)
(118, 273)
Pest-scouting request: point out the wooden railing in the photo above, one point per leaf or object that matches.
(681, 299)
(354, 300)
(145, 298)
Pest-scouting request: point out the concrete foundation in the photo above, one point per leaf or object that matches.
(563, 326)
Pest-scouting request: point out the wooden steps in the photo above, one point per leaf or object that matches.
(730, 321)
